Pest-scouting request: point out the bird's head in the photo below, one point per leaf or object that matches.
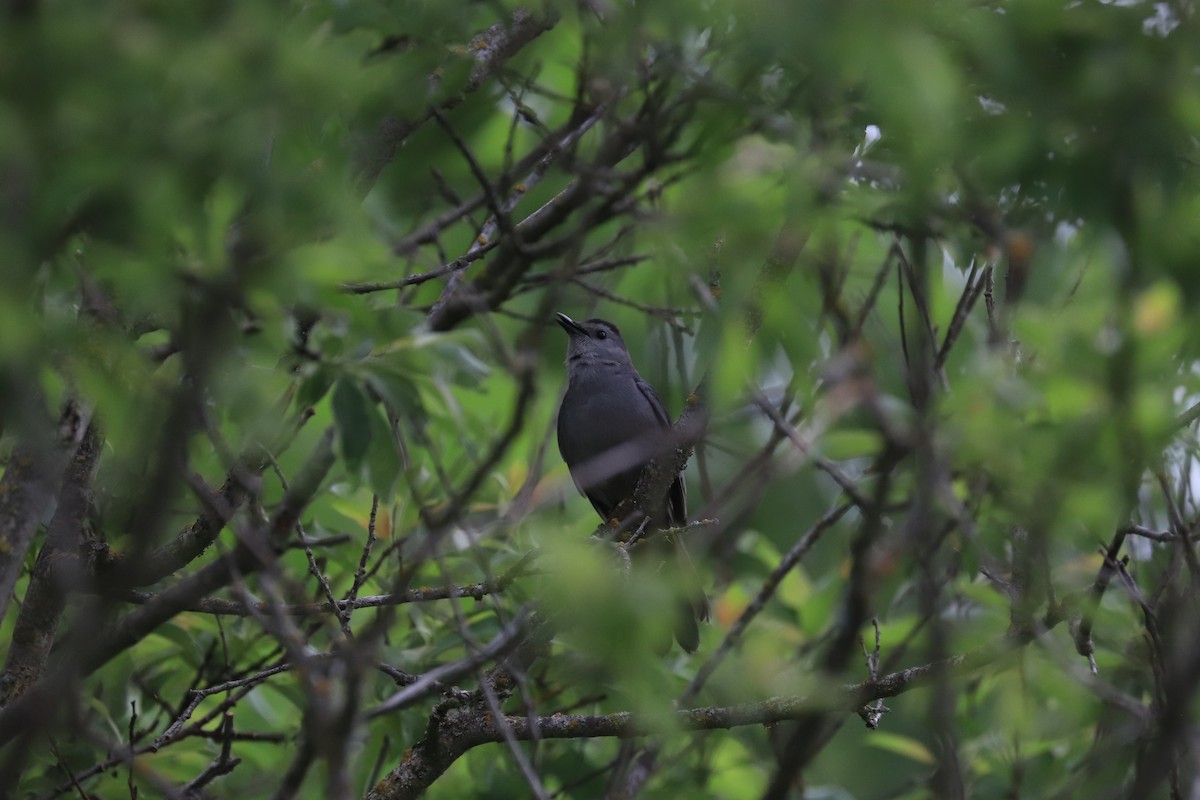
(595, 341)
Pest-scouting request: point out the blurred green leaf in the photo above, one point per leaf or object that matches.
(353, 419)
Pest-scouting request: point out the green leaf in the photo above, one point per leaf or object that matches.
(352, 417)
(840, 445)
(902, 745)
(398, 393)
(383, 458)
(315, 385)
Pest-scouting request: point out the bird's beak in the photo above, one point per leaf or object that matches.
(569, 325)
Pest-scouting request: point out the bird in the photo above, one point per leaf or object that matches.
(610, 424)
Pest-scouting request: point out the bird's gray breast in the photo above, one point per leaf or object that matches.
(606, 427)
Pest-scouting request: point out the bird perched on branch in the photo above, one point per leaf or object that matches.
(611, 423)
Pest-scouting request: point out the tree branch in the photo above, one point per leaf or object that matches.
(38, 621)
(492, 48)
(234, 608)
(460, 729)
(28, 487)
(250, 555)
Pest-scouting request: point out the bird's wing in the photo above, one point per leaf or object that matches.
(677, 494)
(696, 605)
(656, 403)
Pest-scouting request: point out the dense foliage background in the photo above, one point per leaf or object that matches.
(281, 514)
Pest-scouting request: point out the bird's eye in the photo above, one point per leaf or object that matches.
(602, 334)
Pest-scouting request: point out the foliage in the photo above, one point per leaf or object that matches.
(281, 513)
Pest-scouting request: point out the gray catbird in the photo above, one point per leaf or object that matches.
(610, 424)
